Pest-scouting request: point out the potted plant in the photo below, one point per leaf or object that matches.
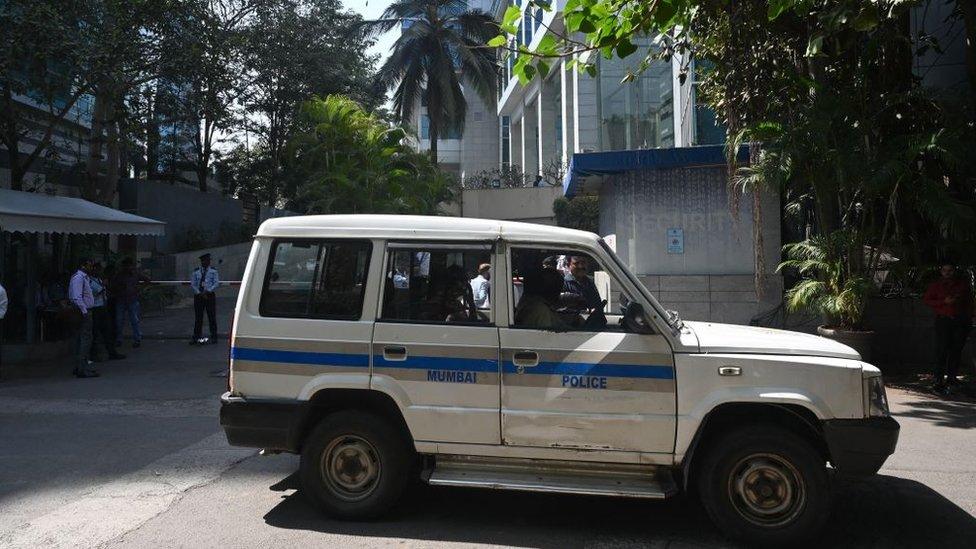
(833, 283)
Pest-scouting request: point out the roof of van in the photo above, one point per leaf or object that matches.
(416, 227)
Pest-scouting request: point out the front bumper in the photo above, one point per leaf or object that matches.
(860, 446)
(269, 424)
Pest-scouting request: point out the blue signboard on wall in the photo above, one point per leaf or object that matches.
(676, 241)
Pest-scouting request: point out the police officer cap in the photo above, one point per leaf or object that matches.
(204, 256)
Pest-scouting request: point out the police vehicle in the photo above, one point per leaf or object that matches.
(357, 344)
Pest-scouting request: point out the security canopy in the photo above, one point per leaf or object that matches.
(40, 213)
(586, 170)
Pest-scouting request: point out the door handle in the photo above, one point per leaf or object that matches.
(525, 359)
(395, 352)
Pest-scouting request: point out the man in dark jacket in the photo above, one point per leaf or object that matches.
(951, 298)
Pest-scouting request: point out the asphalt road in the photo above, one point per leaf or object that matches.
(136, 459)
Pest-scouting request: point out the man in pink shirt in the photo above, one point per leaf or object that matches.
(81, 297)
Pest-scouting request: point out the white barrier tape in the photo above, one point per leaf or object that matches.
(187, 282)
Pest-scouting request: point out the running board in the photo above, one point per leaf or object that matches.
(527, 475)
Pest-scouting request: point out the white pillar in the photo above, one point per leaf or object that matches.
(567, 112)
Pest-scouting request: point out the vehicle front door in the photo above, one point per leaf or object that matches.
(588, 386)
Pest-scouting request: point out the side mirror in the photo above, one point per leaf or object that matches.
(634, 319)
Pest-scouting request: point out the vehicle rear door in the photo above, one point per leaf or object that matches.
(433, 348)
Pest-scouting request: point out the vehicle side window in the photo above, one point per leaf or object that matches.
(430, 285)
(311, 279)
(562, 291)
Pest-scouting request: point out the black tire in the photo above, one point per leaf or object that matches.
(355, 465)
(765, 485)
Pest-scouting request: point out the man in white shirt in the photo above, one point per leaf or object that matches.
(481, 286)
(204, 282)
(80, 295)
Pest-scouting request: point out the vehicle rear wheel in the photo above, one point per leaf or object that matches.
(765, 485)
(355, 465)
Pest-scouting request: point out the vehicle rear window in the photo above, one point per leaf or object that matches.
(436, 285)
(314, 279)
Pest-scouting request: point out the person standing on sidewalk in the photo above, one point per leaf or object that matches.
(951, 298)
(125, 287)
(204, 282)
(102, 333)
(80, 296)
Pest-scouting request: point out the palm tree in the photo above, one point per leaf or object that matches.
(441, 46)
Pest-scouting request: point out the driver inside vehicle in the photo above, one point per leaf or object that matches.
(536, 309)
(580, 293)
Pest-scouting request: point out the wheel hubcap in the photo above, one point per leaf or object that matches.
(350, 467)
(766, 490)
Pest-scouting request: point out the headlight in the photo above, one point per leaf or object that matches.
(875, 399)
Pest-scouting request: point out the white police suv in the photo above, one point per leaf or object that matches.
(357, 343)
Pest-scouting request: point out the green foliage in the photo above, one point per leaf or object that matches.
(824, 94)
(344, 160)
(580, 212)
(832, 282)
(442, 48)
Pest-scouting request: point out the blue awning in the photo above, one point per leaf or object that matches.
(583, 166)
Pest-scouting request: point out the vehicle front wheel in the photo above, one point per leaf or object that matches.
(765, 485)
(355, 465)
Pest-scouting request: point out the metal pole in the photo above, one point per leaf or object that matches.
(31, 287)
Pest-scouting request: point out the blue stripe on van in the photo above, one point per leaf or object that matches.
(489, 365)
(591, 369)
(452, 364)
(300, 357)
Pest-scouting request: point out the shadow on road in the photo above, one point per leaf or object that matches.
(510, 518)
(881, 511)
(945, 413)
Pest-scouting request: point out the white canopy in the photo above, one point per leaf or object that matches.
(41, 213)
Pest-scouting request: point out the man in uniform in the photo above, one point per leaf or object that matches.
(204, 282)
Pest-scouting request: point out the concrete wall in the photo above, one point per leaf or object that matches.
(713, 279)
(530, 204)
(229, 261)
(587, 123)
(480, 142)
(180, 206)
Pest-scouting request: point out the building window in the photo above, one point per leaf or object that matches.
(528, 33)
(636, 115)
(708, 130)
(506, 141)
(451, 133)
(311, 279)
(538, 18)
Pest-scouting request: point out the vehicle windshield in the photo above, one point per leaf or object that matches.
(671, 317)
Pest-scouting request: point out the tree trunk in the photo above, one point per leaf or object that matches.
(968, 9)
(433, 143)
(12, 141)
(113, 157)
(152, 138)
(96, 140)
(203, 155)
